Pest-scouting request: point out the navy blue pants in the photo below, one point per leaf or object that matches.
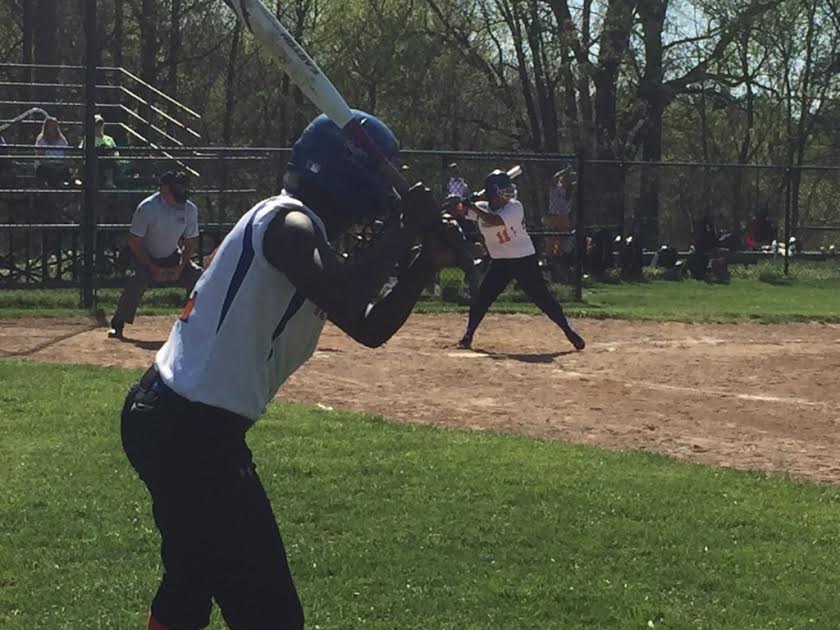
(526, 271)
(219, 537)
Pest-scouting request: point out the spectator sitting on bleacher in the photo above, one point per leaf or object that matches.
(704, 237)
(105, 147)
(51, 144)
(761, 231)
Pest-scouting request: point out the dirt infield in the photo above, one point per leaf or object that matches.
(739, 395)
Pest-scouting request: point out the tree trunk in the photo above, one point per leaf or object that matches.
(652, 93)
(647, 212)
(806, 102)
(45, 40)
(283, 114)
(119, 29)
(148, 42)
(613, 43)
(571, 119)
(148, 56)
(514, 21)
(230, 106)
(743, 180)
(230, 86)
(174, 46)
(543, 84)
(28, 28)
(609, 178)
(173, 55)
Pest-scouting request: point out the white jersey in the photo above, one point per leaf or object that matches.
(510, 240)
(246, 328)
(52, 150)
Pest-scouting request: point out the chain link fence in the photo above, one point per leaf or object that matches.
(752, 211)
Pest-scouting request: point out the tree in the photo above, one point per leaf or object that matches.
(45, 39)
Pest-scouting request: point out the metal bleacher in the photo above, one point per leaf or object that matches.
(41, 225)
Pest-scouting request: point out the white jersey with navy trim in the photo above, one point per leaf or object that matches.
(245, 329)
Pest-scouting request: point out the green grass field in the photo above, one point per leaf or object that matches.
(391, 526)
(759, 292)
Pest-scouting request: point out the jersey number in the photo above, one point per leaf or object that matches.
(503, 236)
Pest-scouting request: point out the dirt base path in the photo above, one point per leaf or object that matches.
(739, 395)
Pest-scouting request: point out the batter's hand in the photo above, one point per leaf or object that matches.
(420, 210)
(453, 204)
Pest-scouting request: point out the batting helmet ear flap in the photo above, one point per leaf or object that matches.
(291, 182)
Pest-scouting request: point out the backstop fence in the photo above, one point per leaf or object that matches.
(42, 232)
(64, 222)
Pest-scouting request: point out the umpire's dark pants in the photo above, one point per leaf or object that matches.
(136, 285)
(219, 538)
(526, 271)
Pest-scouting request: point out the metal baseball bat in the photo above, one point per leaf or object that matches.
(309, 78)
(513, 173)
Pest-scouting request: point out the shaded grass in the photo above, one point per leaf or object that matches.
(393, 526)
(67, 302)
(756, 292)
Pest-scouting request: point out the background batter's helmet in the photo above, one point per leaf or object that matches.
(325, 157)
(499, 183)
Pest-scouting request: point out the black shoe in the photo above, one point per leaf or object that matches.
(116, 330)
(575, 339)
(466, 342)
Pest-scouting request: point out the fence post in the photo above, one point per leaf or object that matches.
(788, 175)
(579, 223)
(91, 174)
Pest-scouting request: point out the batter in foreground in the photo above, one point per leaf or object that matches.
(252, 319)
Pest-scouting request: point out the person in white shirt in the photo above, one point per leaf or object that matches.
(255, 317)
(502, 222)
(51, 144)
(162, 239)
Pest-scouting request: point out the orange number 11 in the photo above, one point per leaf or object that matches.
(503, 236)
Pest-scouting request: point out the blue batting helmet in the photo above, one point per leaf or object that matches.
(326, 158)
(499, 183)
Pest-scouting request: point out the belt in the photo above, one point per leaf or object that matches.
(152, 383)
